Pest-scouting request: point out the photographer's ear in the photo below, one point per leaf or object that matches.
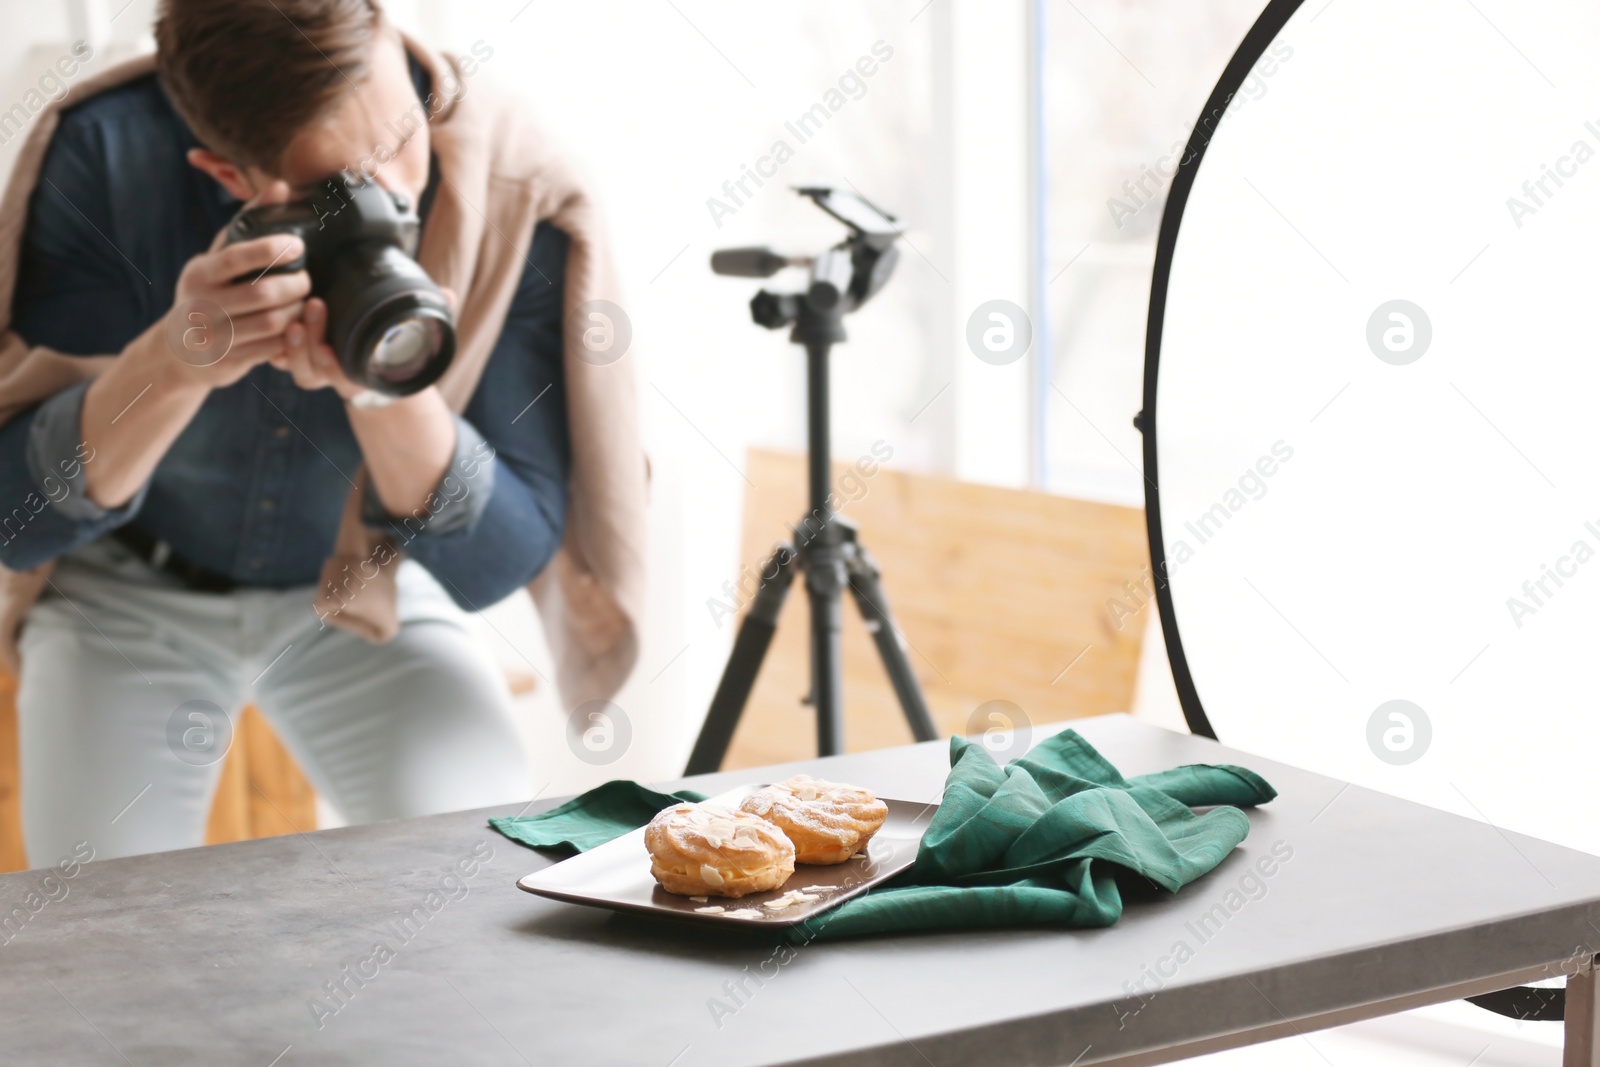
(240, 183)
(226, 174)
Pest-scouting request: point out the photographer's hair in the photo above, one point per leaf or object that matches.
(248, 75)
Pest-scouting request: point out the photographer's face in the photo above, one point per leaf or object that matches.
(373, 129)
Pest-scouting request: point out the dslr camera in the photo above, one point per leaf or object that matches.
(388, 322)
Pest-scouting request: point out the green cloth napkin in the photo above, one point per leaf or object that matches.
(1043, 840)
(593, 818)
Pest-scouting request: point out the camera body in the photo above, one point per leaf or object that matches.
(388, 322)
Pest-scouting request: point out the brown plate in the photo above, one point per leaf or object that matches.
(617, 874)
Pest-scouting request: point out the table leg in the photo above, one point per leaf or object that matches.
(1582, 1014)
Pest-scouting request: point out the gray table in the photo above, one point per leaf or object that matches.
(214, 956)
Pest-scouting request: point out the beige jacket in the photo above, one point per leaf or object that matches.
(500, 177)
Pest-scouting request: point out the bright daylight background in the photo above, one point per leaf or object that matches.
(663, 101)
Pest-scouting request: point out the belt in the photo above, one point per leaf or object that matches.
(156, 552)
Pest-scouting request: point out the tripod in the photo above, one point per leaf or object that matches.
(825, 547)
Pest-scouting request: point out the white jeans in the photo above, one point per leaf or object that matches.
(130, 683)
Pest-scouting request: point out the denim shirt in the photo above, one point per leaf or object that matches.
(255, 485)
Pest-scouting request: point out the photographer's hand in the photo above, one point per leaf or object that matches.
(140, 404)
(407, 444)
(309, 359)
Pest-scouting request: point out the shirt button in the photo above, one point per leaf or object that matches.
(267, 503)
(280, 432)
(255, 563)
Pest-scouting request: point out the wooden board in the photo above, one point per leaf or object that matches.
(1000, 594)
(12, 856)
(262, 792)
(230, 804)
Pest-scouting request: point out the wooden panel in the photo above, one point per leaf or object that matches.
(262, 792)
(1002, 594)
(230, 806)
(12, 856)
(281, 800)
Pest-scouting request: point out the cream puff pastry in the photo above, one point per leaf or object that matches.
(702, 850)
(828, 821)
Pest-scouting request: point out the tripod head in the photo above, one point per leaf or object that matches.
(842, 278)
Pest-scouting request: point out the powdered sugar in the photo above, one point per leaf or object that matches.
(815, 807)
(690, 828)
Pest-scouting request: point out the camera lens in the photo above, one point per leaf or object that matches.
(388, 321)
(403, 348)
(404, 344)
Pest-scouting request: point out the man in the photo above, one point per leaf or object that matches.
(191, 507)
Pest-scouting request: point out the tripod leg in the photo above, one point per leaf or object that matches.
(874, 605)
(744, 663)
(824, 581)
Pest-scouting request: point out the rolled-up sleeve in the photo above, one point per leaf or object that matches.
(503, 503)
(456, 503)
(58, 457)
